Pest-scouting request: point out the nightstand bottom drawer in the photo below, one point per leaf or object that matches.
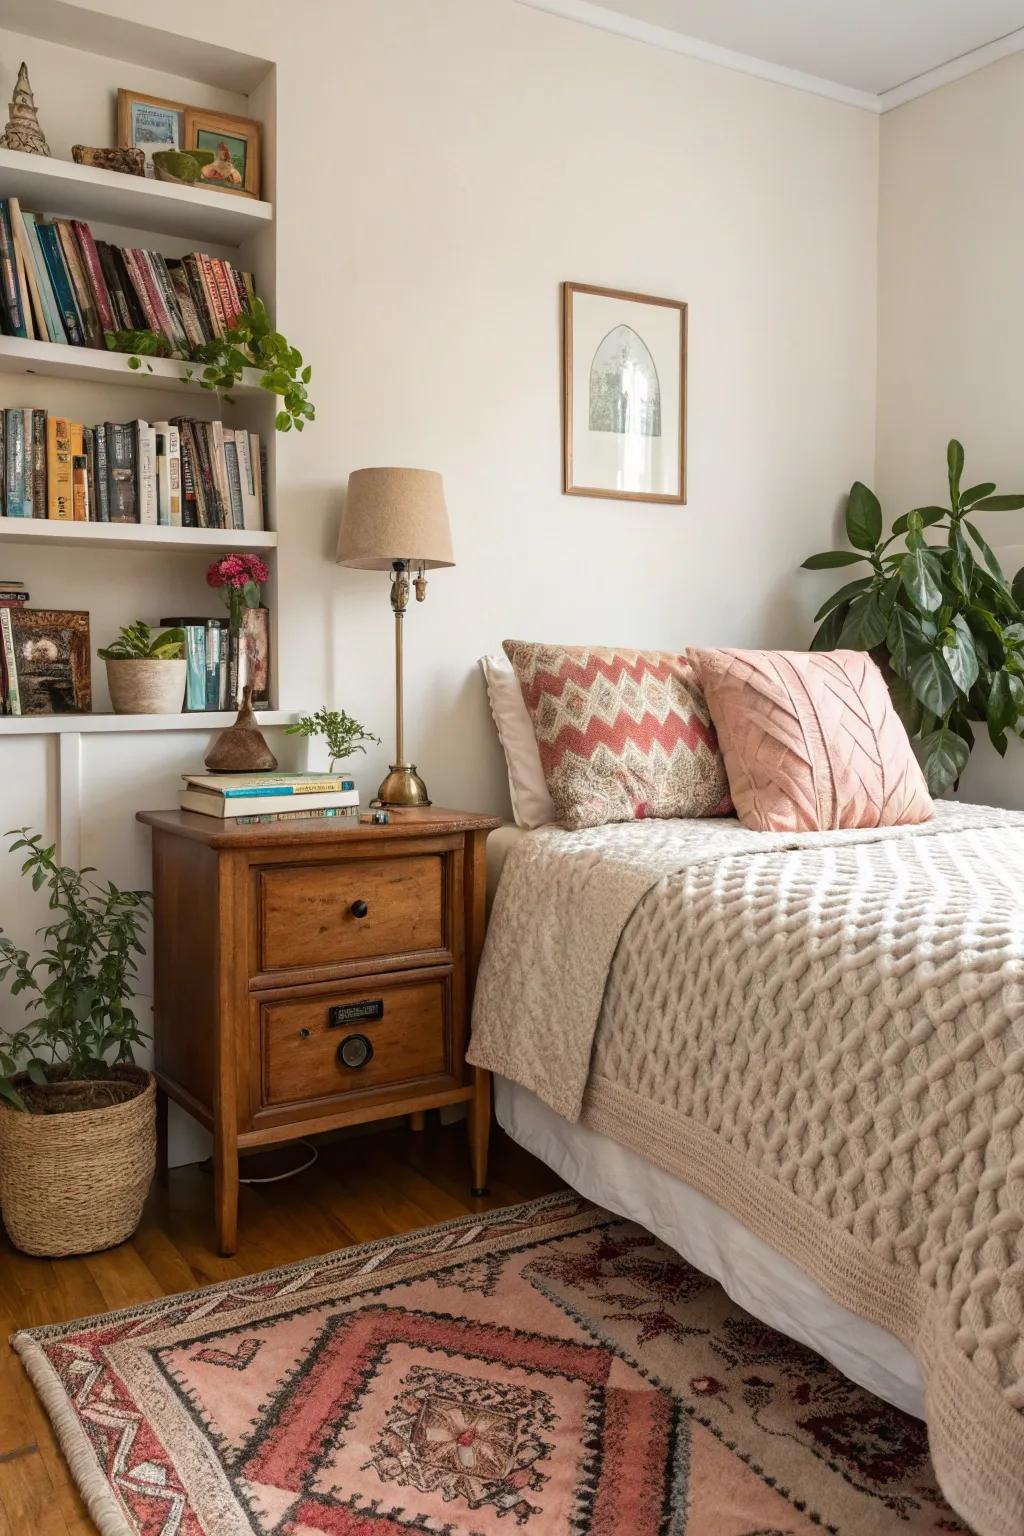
(383, 1035)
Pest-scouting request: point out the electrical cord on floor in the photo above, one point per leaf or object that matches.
(275, 1178)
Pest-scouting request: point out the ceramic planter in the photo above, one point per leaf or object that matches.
(146, 687)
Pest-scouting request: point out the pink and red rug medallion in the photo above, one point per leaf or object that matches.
(548, 1369)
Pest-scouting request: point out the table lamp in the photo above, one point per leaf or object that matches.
(396, 520)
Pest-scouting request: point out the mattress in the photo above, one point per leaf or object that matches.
(768, 1285)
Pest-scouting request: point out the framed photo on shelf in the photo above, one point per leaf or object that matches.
(624, 395)
(50, 652)
(234, 143)
(149, 123)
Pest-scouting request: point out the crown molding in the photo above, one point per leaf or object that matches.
(608, 20)
(955, 69)
(708, 53)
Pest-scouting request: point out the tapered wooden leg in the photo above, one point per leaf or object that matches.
(225, 1188)
(418, 1120)
(161, 1137)
(480, 1129)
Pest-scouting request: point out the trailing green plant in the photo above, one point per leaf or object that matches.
(344, 736)
(81, 983)
(944, 621)
(249, 342)
(137, 642)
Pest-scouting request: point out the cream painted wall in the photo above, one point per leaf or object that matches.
(442, 165)
(951, 317)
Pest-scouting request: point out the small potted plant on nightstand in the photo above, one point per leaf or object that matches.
(146, 672)
(77, 1117)
(342, 735)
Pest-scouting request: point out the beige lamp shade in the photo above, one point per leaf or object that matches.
(394, 514)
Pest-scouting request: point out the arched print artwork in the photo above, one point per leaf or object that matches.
(624, 363)
(625, 395)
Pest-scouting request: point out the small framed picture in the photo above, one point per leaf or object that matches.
(149, 123)
(234, 143)
(624, 387)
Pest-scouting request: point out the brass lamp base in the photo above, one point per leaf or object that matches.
(403, 787)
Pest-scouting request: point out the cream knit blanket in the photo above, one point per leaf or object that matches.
(823, 1033)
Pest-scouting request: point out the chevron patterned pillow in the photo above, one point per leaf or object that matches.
(622, 734)
(811, 740)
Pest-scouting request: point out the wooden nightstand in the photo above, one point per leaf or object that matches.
(311, 975)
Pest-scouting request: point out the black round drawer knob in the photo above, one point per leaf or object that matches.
(355, 1051)
(359, 909)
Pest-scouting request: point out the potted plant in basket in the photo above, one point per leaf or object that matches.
(146, 672)
(77, 1117)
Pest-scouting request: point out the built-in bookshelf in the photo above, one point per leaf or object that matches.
(121, 571)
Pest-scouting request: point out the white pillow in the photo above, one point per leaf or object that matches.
(532, 806)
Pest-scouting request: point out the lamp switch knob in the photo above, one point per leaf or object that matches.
(359, 909)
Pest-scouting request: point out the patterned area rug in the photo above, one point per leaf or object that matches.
(548, 1369)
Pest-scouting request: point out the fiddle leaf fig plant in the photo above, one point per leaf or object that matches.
(942, 619)
(250, 342)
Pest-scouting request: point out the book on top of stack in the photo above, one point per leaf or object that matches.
(250, 799)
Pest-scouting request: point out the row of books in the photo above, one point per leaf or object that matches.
(252, 798)
(179, 474)
(220, 663)
(59, 283)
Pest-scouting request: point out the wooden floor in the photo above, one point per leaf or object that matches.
(362, 1188)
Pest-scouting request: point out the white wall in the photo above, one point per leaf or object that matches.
(442, 166)
(951, 319)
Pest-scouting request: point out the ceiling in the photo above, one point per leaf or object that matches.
(870, 47)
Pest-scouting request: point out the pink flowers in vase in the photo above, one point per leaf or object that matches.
(240, 577)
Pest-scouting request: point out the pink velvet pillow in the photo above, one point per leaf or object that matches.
(811, 741)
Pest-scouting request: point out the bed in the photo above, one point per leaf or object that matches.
(800, 1062)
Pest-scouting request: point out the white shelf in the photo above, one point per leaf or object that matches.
(198, 720)
(61, 187)
(91, 366)
(41, 532)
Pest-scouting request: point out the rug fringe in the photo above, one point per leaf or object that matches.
(78, 1452)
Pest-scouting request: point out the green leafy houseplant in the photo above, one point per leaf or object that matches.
(250, 342)
(943, 620)
(137, 642)
(81, 983)
(344, 736)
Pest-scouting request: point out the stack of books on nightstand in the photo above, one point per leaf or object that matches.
(249, 799)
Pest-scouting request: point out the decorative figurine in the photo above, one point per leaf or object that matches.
(127, 162)
(23, 131)
(242, 748)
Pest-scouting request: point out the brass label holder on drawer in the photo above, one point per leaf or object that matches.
(355, 1013)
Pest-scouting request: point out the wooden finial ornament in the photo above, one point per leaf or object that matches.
(242, 748)
(23, 131)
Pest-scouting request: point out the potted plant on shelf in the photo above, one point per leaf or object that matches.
(943, 621)
(342, 735)
(146, 673)
(77, 1117)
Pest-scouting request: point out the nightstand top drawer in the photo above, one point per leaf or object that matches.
(360, 909)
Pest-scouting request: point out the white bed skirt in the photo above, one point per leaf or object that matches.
(756, 1277)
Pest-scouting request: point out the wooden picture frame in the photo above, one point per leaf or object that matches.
(133, 105)
(624, 435)
(240, 136)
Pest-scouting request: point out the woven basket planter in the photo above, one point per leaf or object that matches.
(76, 1182)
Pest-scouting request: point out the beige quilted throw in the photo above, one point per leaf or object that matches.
(824, 1033)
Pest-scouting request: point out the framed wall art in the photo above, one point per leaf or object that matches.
(624, 406)
(149, 123)
(234, 143)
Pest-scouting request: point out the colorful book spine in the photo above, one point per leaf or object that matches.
(40, 507)
(3, 466)
(14, 312)
(234, 480)
(16, 472)
(84, 301)
(94, 271)
(51, 305)
(101, 497)
(80, 487)
(59, 472)
(142, 295)
(28, 503)
(27, 270)
(89, 436)
(195, 656)
(213, 298)
(10, 663)
(120, 474)
(213, 641)
(145, 473)
(123, 319)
